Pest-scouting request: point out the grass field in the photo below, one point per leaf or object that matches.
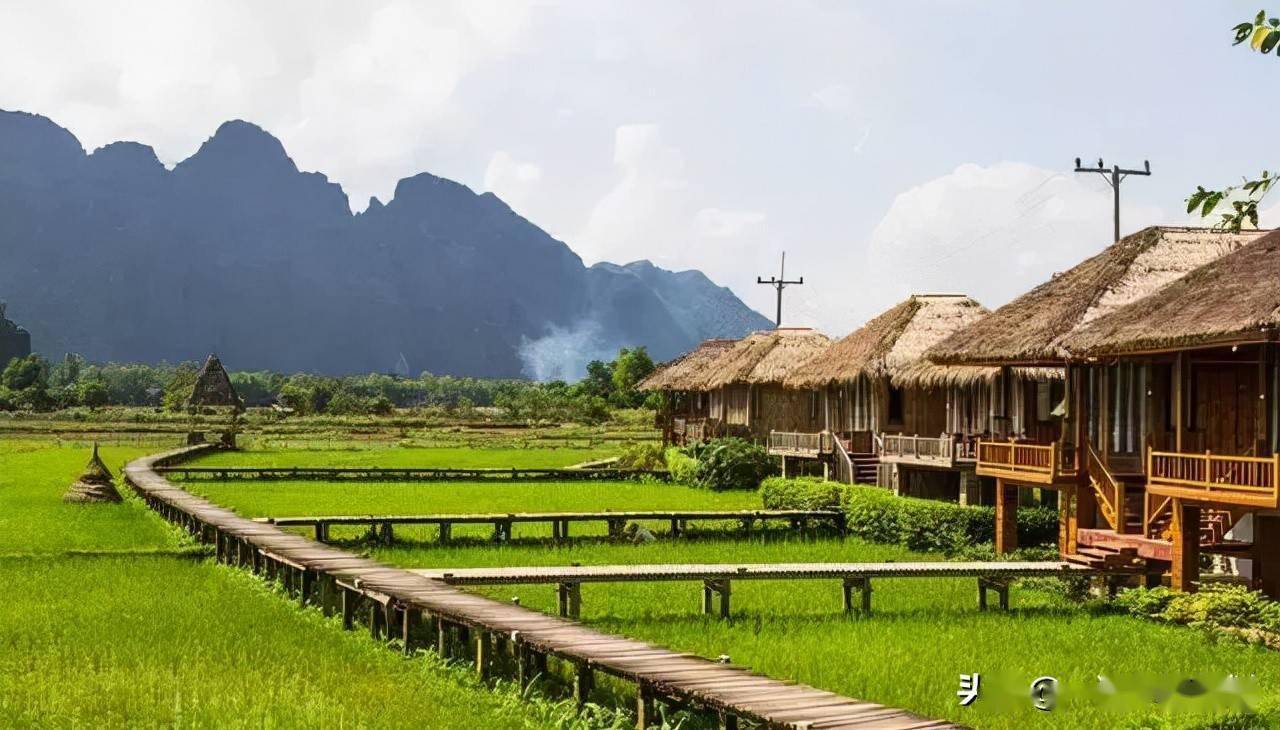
(909, 653)
(141, 637)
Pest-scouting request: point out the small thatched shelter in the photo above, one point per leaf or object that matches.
(1232, 300)
(95, 483)
(1032, 329)
(213, 387)
(685, 405)
(764, 358)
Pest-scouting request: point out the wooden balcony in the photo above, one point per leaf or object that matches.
(1046, 465)
(803, 445)
(691, 430)
(945, 451)
(1245, 481)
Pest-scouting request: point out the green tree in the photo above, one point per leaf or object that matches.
(1263, 35)
(93, 394)
(599, 380)
(179, 387)
(630, 367)
(25, 381)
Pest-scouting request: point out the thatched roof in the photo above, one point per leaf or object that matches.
(892, 345)
(764, 357)
(1030, 329)
(95, 484)
(213, 386)
(686, 371)
(1232, 299)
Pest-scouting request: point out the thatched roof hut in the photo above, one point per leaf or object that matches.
(1235, 299)
(764, 357)
(686, 371)
(213, 387)
(1031, 329)
(893, 344)
(95, 483)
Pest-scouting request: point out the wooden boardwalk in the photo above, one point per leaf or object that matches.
(427, 474)
(421, 611)
(559, 521)
(718, 578)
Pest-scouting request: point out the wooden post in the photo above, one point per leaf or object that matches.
(569, 596)
(446, 531)
(319, 531)
(1185, 528)
(1066, 503)
(442, 637)
(308, 580)
(645, 715)
(387, 535)
(407, 621)
(584, 681)
(524, 663)
(483, 656)
(1006, 517)
(1266, 555)
(1179, 399)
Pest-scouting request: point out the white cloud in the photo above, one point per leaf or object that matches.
(512, 180)
(833, 98)
(719, 223)
(992, 232)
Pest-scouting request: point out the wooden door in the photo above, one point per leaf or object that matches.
(1226, 408)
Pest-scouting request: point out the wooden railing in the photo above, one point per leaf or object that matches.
(1243, 480)
(933, 450)
(1111, 493)
(844, 470)
(679, 426)
(1035, 463)
(799, 444)
(1157, 512)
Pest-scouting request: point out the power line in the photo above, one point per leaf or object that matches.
(1114, 177)
(780, 282)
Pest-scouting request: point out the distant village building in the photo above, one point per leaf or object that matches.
(14, 341)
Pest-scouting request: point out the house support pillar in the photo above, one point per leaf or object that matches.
(1185, 571)
(1006, 517)
(1266, 555)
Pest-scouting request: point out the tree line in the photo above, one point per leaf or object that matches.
(33, 383)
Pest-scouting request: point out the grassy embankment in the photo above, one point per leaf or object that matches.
(109, 620)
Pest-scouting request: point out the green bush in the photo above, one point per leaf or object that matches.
(682, 467)
(732, 463)
(878, 515)
(1213, 607)
(643, 455)
(802, 493)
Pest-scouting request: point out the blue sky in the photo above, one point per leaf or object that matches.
(888, 147)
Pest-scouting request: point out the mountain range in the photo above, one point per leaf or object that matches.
(113, 255)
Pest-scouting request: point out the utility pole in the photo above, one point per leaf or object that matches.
(779, 282)
(1113, 177)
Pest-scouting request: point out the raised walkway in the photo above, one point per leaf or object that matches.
(559, 521)
(425, 474)
(422, 609)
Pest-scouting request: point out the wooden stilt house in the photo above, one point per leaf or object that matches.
(685, 414)
(902, 422)
(1095, 449)
(1182, 421)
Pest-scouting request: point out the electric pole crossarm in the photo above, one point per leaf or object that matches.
(779, 283)
(1114, 177)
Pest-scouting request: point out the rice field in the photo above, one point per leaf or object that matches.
(411, 457)
(106, 622)
(123, 650)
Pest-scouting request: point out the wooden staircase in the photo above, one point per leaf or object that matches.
(864, 468)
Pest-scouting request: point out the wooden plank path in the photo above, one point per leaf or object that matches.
(717, 578)
(425, 474)
(559, 521)
(421, 611)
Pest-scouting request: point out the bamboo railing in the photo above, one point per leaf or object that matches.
(916, 448)
(844, 469)
(1036, 463)
(798, 444)
(1242, 480)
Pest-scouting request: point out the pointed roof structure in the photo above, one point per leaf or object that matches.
(892, 345)
(1232, 300)
(213, 387)
(95, 483)
(686, 371)
(1031, 329)
(763, 357)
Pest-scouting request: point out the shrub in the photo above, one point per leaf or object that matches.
(878, 515)
(1146, 602)
(1213, 607)
(641, 456)
(732, 463)
(682, 467)
(803, 493)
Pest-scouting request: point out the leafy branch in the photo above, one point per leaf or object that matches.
(1263, 35)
